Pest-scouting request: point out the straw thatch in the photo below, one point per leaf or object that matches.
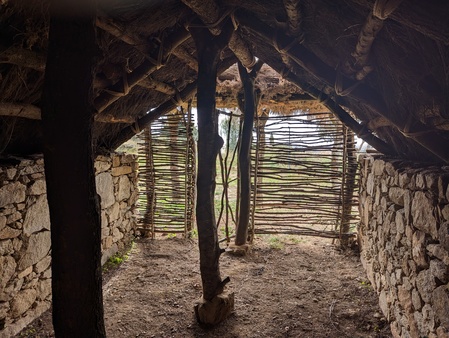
(384, 62)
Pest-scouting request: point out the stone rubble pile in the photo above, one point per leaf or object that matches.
(25, 263)
(404, 238)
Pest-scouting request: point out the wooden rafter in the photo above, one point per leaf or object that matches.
(307, 60)
(357, 65)
(173, 102)
(159, 86)
(359, 129)
(156, 60)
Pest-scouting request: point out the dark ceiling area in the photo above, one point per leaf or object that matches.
(381, 66)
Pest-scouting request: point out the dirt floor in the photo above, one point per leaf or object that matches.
(286, 287)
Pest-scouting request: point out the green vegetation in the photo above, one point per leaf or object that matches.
(275, 243)
(116, 260)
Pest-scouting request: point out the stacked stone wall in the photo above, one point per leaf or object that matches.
(404, 239)
(25, 245)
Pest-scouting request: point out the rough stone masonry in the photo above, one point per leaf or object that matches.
(404, 238)
(25, 262)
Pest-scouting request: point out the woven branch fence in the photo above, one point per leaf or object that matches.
(167, 175)
(304, 174)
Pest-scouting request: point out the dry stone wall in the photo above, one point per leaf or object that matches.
(25, 263)
(404, 239)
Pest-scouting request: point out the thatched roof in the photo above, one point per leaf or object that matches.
(386, 62)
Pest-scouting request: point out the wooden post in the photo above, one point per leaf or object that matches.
(215, 306)
(67, 117)
(249, 110)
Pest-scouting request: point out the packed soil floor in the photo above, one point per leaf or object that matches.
(285, 287)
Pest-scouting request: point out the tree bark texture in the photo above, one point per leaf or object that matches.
(209, 144)
(67, 117)
(249, 109)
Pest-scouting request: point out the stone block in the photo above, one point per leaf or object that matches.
(105, 188)
(42, 265)
(420, 181)
(445, 212)
(123, 170)
(443, 332)
(124, 188)
(38, 247)
(405, 299)
(8, 232)
(22, 302)
(370, 185)
(6, 247)
(439, 270)
(438, 251)
(38, 188)
(425, 282)
(384, 305)
(416, 300)
(216, 310)
(443, 181)
(13, 218)
(378, 167)
(443, 235)
(428, 318)
(11, 173)
(101, 166)
(12, 193)
(423, 214)
(396, 195)
(114, 212)
(7, 270)
(115, 160)
(440, 301)
(37, 216)
(44, 289)
(419, 249)
(25, 272)
(2, 222)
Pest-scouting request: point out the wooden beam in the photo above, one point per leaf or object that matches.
(183, 96)
(159, 86)
(413, 129)
(23, 110)
(157, 60)
(357, 65)
(360, 130)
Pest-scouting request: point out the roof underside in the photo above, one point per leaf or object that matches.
(384, 62)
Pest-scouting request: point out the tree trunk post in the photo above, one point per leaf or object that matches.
(249, 110)
(215, 306)
(67, 118)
